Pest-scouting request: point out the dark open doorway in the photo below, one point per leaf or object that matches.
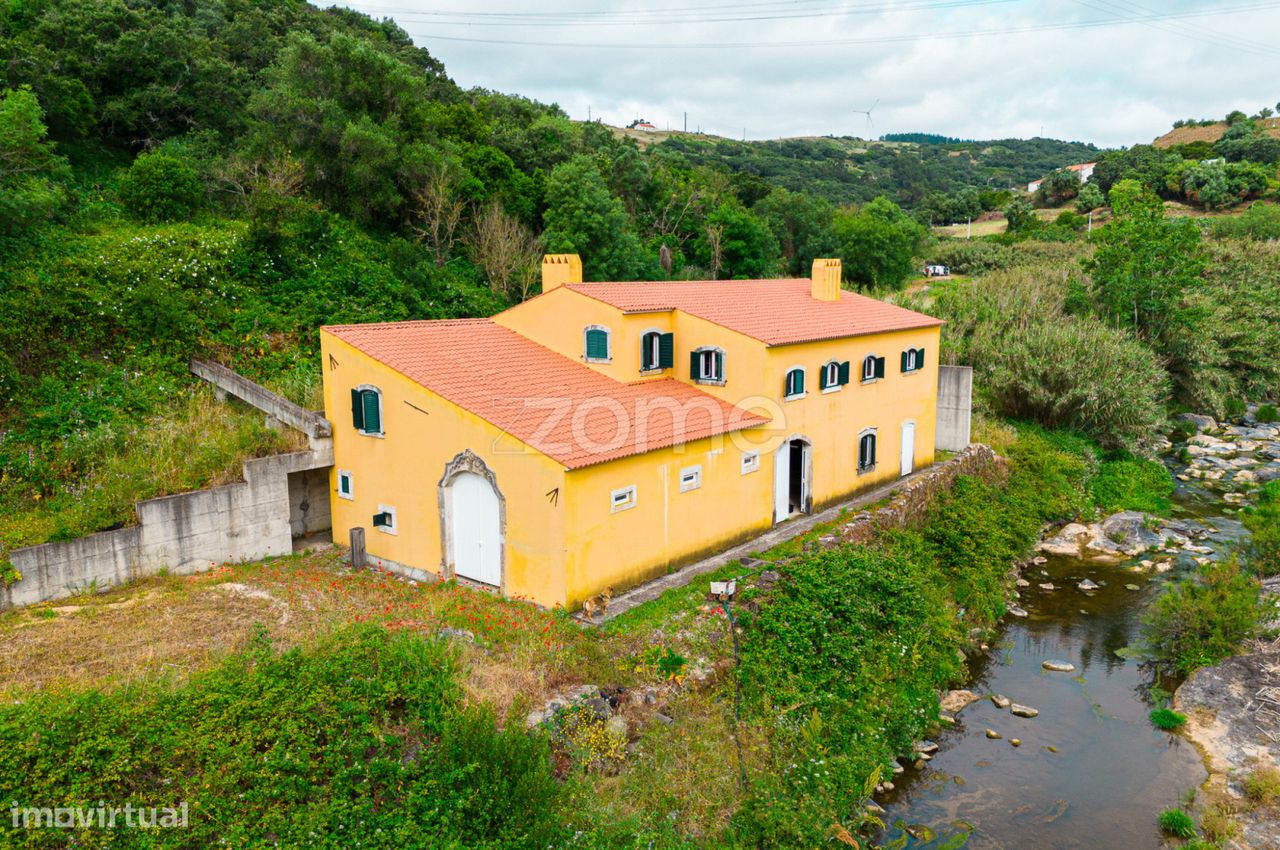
(795, 487)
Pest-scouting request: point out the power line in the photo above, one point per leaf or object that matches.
(486, 19)
(888, 39)
(1199, 34)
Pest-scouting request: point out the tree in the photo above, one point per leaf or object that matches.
(1061, 185)
(878, 243)
(506, 250)
(1143, 271)
(436, 208)
(1021, 216)
(160, 187)
(584, 218)
(1090, 198)
(32, 174)
(801, 225)
(742, 247)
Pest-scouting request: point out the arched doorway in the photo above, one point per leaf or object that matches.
(473, 521)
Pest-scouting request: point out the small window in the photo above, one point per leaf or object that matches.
(706, 365)
(750, 462)
(872, 368)
(867, 451)
(385, 519)
(690, 478)
(835, 375)
(623, 499)
(596, 344)
(657, 351)
(913, 360)
(366, 410)
(346, 487)
(795, 383)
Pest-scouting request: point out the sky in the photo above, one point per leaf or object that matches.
(1111, 72)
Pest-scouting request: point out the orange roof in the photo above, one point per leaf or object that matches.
(560, 407)
(776, 312)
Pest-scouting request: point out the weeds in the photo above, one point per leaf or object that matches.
(1177, 823)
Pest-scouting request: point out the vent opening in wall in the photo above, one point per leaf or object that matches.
(750, 462)
(622, 499)
(690, 478)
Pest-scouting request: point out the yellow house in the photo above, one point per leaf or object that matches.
(601, 434)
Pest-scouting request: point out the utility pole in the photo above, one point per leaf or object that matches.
(1089, 233)
(969, 228)
(686, 122)
(588, 113)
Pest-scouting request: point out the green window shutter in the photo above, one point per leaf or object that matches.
(906, 354)
(693, 366)
(597, 345)
(844, 373)
(720, 365)
(357, 409)
(382, 520)
(666, 351)
(799, 381)
(646, 352)
(879, 367)
(822, 379)
(372, 415)
(919, 358)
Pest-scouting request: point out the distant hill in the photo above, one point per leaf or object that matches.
(847, 169)
(1210, 132)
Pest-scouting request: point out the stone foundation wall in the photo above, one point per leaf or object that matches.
(911, 502)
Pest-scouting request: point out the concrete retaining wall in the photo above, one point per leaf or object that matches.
(309, 501)
(183, 533)
(955, 407)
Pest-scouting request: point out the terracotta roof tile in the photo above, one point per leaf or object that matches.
(557, 405)
(776, 312)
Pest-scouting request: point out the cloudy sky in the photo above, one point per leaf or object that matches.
(1113, 72)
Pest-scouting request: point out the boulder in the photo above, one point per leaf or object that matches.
(1059, 666)
(1203, 423)
(1023, 710)
(993, 735)
(1048, 585)
(1067, 542)
(1130, 532)
(1001, 701)
(927, 747)
(1022, 582)
(1016, 742)
(1015, 611)
(1088, 585)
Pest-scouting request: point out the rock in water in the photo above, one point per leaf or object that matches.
(1132, 587)
(1048, 585)
(1001, 701)
(927, 747)
(1017, 742)
(993, 735)
(1059, 666)
(1087, 585)
(1015, 611)
(1023, 710)
(954, 701)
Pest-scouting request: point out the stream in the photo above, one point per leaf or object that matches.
(1091, 771)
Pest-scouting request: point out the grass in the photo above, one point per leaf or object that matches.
(982, 227)
(1262, 786)
(1177, 823)
(1267, 413)
(1167, 719)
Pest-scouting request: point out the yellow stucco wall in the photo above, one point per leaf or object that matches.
(402, 469)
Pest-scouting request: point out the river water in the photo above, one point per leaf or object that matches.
(1091, 770)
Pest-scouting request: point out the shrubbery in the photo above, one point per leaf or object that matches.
(1263, 522)
(161, 187)
(1201, 620)
(362, 740)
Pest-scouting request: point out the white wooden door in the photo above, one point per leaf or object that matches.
(782, 482)
(908, 447)
(474, 531)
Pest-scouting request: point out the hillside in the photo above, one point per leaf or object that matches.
(851, 170)
(1211, 133)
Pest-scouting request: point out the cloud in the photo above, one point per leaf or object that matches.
(1114, 85)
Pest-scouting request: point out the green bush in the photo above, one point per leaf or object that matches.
(1260, 221)
(1177, 823)
(1263, 521)
(1201, 620)
(1262, 785)
(160, 187)
(363, 738)
(1267, 413)
(971, 256)
(1167, 719)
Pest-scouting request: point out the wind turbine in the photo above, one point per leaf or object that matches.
(867, 112)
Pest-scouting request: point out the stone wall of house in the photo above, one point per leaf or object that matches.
(911, 502)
